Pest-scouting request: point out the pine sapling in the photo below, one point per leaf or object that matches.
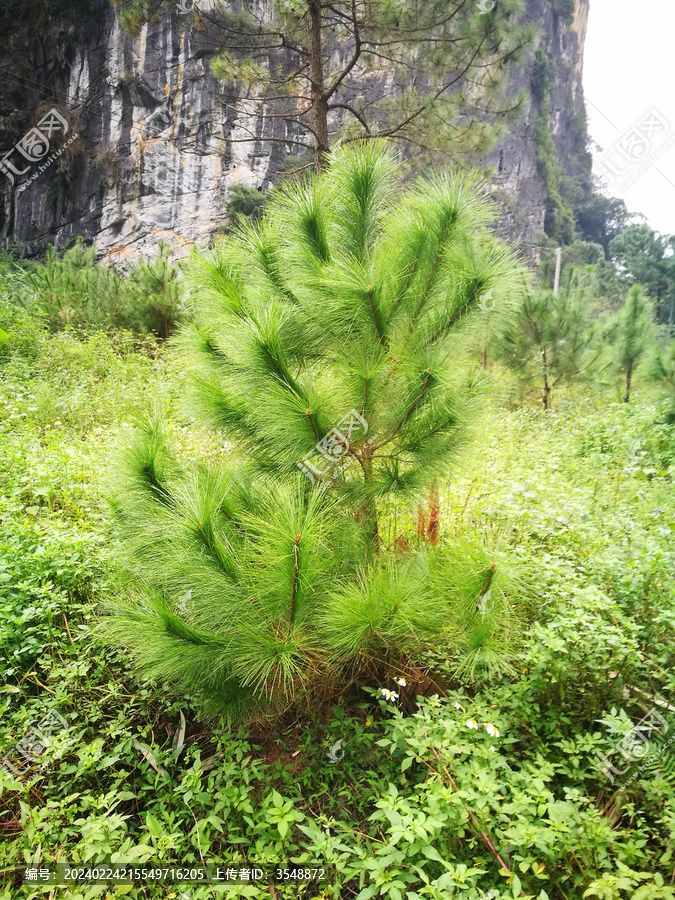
(327, 350)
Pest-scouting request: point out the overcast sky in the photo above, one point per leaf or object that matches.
(629, 83)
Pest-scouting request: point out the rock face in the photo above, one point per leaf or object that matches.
(155, 142)
(515, 171)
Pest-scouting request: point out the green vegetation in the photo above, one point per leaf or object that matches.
(337, 324)
(498, 752)
(565, 8)
(74, 290)
(551, 338)
(663, 372)
(559, 222)
(245, 204)
(304, 63)
(632, 334)
(642, 256)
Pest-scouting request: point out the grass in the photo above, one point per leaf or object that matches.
(579, 500)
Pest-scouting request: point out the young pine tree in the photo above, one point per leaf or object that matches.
(75, 289)
(632, 334)
(154, 294)
(551, 338)
(326, 347)
(662, 371)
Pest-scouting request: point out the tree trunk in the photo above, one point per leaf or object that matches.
(421, 522)
(434, 514)
(319, 103)
(547, 387)
(369, 510)
(629, 378)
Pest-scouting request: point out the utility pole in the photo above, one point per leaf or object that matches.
(558, 263)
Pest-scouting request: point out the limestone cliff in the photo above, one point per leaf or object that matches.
(156, 142)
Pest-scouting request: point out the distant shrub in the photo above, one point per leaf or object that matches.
(552, 336)
(19, 331)
(245, 204)
(662, 371)
(73, 289)
(154, 295)
(565, 9)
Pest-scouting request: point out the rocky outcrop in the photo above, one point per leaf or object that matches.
(155, 142)
(514, 164)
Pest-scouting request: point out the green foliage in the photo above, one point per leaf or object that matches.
(662, 371)
(559, 219)
(644, 257)
(312, 75)
(640, 885)
(575, 508)
(569, 657)
(244, 204)
(19, 332)
(552, 337)
(41, 578)
(566, 9)
(154, 295)
(598, 218)
(348, 296)
(559, 223)
(632, 334)
(472, 802)
(543, 71)
(75, 290)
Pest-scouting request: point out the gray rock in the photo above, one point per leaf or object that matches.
(161, 141)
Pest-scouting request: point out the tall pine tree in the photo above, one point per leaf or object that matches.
(429, 73)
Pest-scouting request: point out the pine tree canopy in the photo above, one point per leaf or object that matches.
(327, 349)
(634, 327)
(552, 337)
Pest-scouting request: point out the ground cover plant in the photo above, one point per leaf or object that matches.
(507, 757)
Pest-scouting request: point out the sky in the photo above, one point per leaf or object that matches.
(629, 84)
